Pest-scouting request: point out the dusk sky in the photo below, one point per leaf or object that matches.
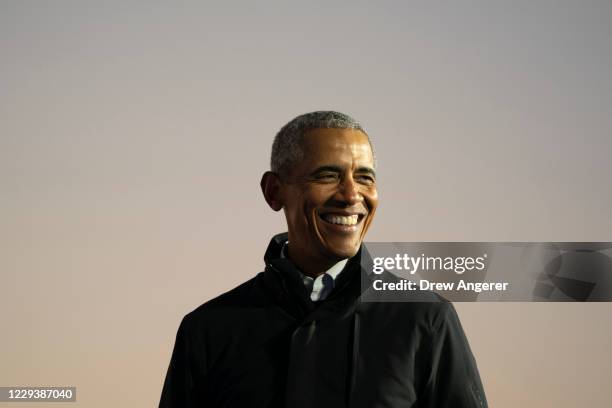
(133, 136)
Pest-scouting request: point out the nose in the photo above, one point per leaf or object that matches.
(348, 191)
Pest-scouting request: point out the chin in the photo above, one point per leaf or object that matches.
(345, 252)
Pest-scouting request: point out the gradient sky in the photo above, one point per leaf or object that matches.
(133, 136)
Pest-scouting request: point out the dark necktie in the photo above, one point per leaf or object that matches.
(328, 286)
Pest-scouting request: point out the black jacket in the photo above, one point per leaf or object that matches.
(266, 344)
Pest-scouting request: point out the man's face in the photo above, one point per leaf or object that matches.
(330, 197)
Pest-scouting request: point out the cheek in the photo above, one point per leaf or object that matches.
(303, 209)
(371, 198)
(315, 198)
(293, 208)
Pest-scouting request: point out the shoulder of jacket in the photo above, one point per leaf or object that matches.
(426, 307)
(245, 294)
(443, 315)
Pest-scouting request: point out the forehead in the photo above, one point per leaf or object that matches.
(337, 146)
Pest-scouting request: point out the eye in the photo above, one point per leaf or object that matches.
(327, 176)
(365, 178)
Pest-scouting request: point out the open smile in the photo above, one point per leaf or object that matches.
(342, 222)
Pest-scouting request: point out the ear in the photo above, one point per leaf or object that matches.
(271, 189)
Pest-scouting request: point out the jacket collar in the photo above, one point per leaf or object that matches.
(275, 247)
(284, 280)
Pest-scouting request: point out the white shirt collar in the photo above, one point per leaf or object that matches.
(315, 285)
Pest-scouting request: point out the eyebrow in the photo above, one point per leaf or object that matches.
(337, 169)
(368, 170)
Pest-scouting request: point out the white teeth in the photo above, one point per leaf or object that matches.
(341, 219)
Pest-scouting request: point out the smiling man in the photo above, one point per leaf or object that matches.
(328, 191)
(297, 335)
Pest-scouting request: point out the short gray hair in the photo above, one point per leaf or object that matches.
(288, 146)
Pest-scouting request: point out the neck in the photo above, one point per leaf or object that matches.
(310, 266)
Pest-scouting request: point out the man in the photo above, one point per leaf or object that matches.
(297, 334)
